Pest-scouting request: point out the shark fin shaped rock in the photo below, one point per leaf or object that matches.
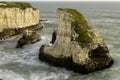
(76, 44)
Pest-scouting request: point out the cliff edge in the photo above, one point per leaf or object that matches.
(17, 16)
(76, 44)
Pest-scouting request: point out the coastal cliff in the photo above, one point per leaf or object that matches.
(76, 44)
(18, 18)
(14, 16)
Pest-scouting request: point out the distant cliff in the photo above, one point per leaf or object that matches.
(15, 15)
(17, 18)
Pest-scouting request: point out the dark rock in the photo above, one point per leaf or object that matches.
(28, 38)
(15, 31)
(53, 37)
(76, 44)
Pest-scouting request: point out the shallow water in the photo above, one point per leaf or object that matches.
(23, 64)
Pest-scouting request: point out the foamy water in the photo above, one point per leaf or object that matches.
(24, 64)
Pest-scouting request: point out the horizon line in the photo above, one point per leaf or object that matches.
(65, 0)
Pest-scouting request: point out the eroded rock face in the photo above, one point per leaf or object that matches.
(14, 20)
(76, 44)
(28, 37)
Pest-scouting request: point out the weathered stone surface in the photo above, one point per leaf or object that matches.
(16, 18)
(6, 33)
(76, 44)
(28, 37)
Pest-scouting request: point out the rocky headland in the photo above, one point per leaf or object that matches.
(76, 44)
(15, 17)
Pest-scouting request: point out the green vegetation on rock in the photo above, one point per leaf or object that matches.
(80, 25)
(21, 5)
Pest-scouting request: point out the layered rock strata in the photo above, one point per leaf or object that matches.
(15, 17)
(76, 44)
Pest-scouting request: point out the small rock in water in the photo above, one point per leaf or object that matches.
(28, 38)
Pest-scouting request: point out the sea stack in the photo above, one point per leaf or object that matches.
(15, 17)
(76, 44)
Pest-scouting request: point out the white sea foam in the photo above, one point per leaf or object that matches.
(10, 75)
(49, 21)
(6, 74)
(7, 58)
(49, 76)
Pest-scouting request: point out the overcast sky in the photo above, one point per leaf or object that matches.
(60, 0)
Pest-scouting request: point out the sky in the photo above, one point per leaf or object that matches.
(59, 0)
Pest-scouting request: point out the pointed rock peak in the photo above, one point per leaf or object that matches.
(76, 44)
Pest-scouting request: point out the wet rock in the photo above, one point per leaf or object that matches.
(76, 44)
(28, 37)
(53, 37)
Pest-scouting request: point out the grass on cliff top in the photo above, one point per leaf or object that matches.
(21, 5)
(80, 25)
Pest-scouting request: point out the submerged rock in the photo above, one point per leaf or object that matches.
(28, 38)
(76, 44)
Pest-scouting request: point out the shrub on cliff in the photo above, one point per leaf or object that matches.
(21, 5)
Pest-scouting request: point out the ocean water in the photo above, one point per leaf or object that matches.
(23, 64)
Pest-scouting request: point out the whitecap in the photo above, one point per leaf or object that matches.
(48, 75)
(10, 75)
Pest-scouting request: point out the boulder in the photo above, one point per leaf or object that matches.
(76, 44)
(28, 37)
